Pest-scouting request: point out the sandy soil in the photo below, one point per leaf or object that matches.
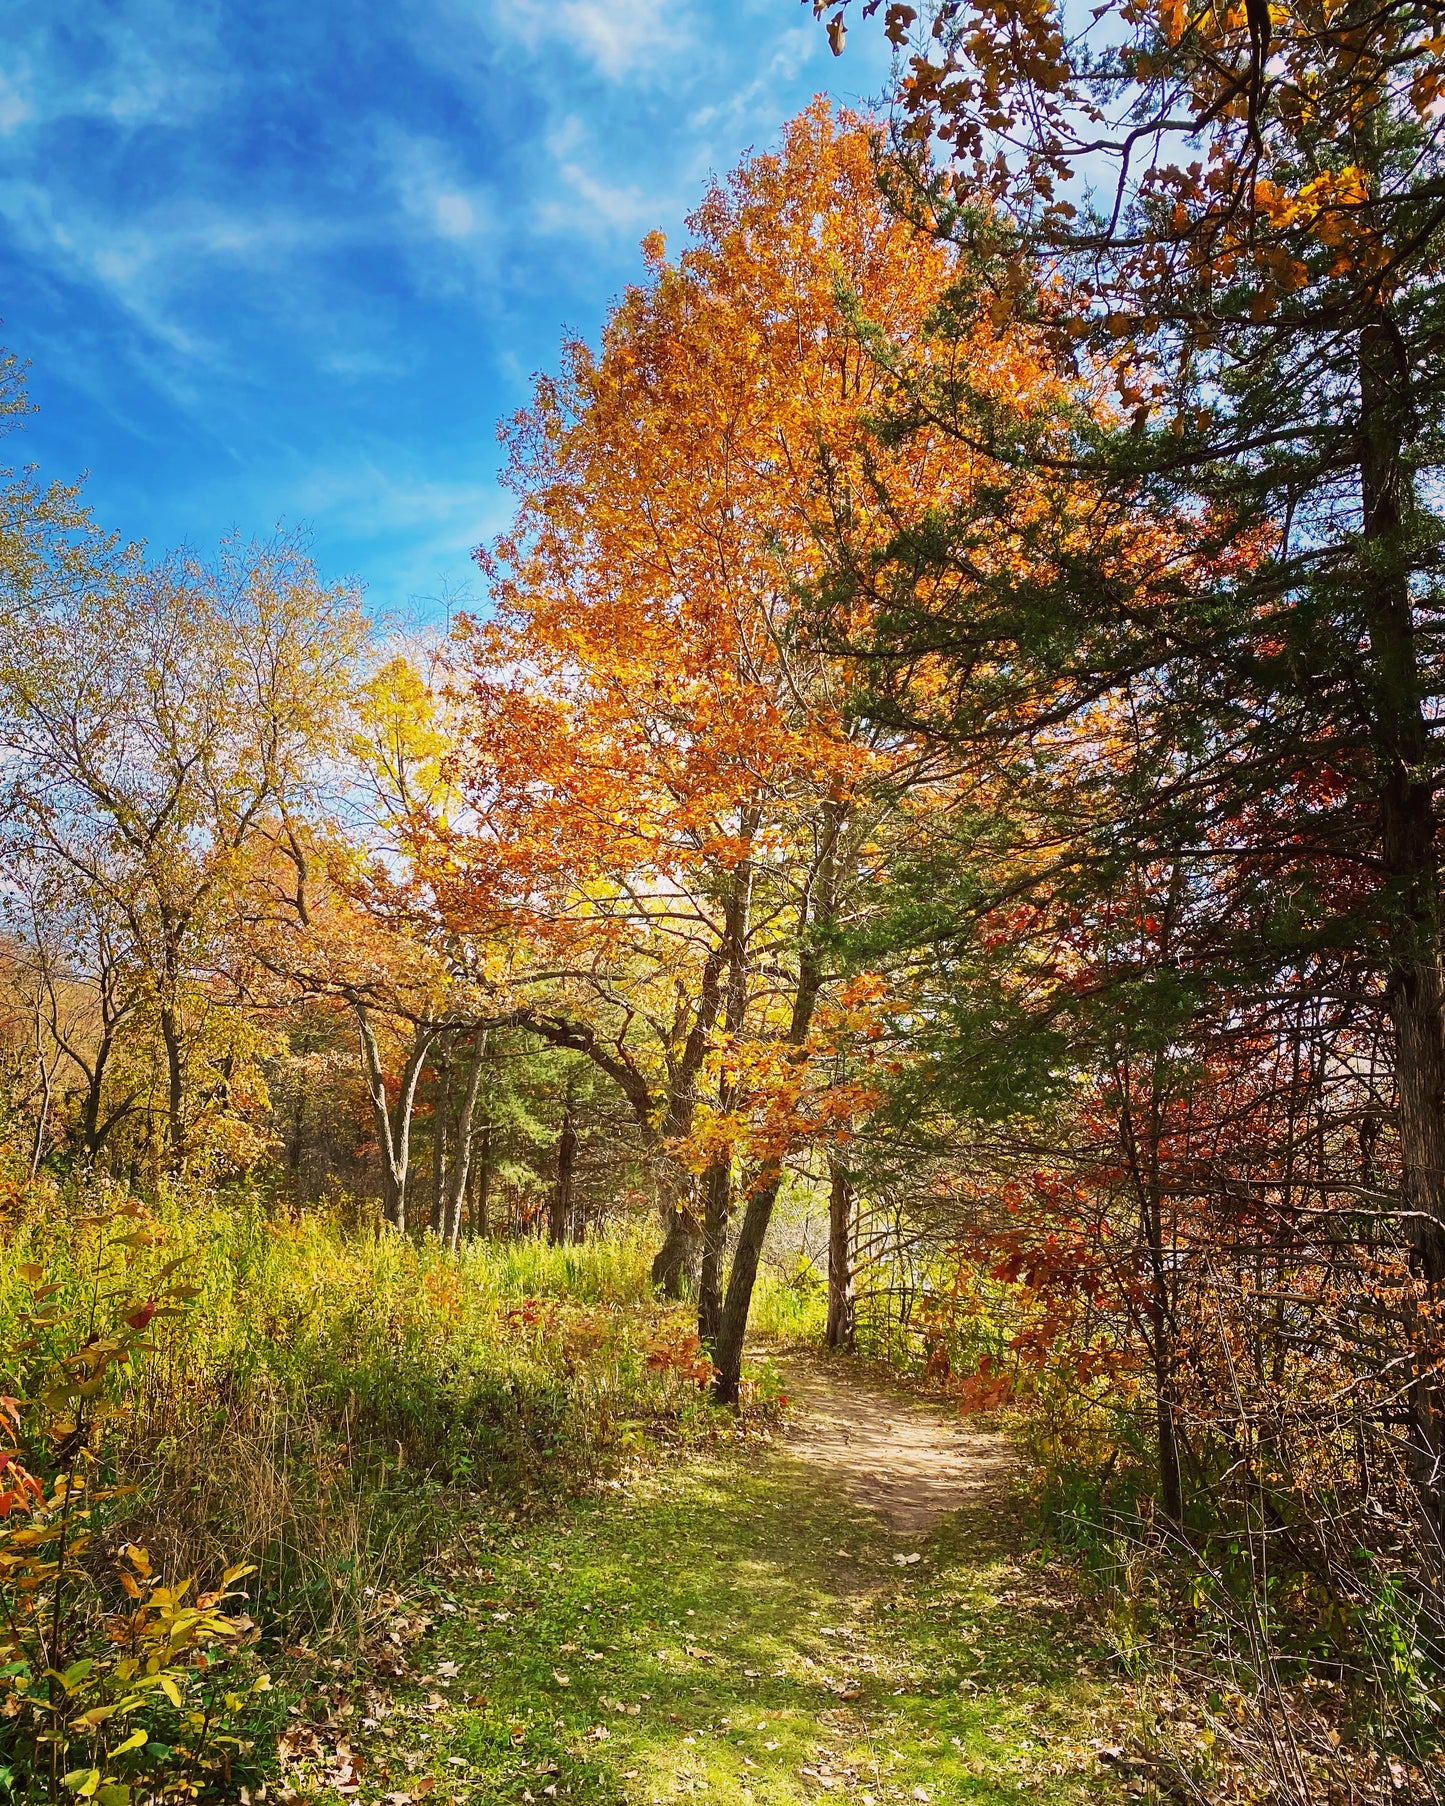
(898, 1457)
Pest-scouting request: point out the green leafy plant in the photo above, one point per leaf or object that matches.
(113, 1683)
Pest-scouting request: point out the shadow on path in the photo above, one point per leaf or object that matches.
(894, 1455)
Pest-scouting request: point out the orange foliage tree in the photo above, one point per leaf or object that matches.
(668, 787)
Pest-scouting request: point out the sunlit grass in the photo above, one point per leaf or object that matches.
(720, 1630)
(790, 1310)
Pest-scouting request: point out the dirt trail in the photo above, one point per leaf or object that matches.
(897, 1456)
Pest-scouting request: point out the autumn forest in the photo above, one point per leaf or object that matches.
(863, 1038)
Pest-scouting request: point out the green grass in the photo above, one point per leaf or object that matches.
(788, 1310)
(392, 1435)
(722, 1629)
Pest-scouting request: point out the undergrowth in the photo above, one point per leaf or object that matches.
(1278, 1635)
(293, 1401)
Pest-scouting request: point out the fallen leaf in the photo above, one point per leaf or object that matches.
(298, 1743)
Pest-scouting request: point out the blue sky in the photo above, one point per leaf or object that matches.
(291, 261)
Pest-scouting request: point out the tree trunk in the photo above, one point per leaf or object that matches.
(559, 1223)
(817, 913)
(440, 1151)
(42, 1120)
(451, 1230)
(1171, 1473)
(1407, 793)
(393, 1128)
(90, 1108)
(482, 1196)
(677, 1257)
(295, 1141)
(1408, 831)
(717, 1189)
(733, 1329)
(841, 1331)
(175, 1087)
(718, 1180)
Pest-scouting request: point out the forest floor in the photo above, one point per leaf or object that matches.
(851, 1610)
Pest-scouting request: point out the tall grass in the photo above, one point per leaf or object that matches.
(334, 1395)
(789, 1307)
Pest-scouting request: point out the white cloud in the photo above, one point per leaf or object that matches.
(456, 215)
(620, 38)
(270, 231)
(368, 497)
(439, 523)
(16, 109)
(585, 203)
(369, 364)
(756, 103)
(152, 62)
(444, 225)
(149, 265)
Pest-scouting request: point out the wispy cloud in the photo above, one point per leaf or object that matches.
(440, 521)
(297, 260)
(16, 108)
(149, 62)
(620, 38)
(148, 264)
(450, 226)
(581, 200)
